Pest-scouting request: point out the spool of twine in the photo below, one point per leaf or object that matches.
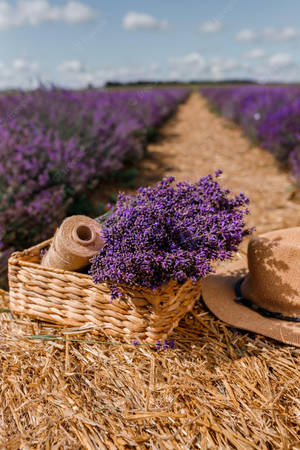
(74, 243)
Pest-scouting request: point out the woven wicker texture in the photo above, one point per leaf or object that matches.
(4, 297)
(71, 298)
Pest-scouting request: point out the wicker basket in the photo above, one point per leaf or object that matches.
(71, 298)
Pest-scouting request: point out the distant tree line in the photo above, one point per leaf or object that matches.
(110, 84)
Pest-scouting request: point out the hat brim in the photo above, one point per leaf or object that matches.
(218, 294)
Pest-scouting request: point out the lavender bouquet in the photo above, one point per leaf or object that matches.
(169, 232)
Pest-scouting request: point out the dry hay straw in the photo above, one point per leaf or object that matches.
(219, 388)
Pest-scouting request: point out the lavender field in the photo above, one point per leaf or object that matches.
(269, 116)
(55, 144)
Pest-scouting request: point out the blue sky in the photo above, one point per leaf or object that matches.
(76, 42)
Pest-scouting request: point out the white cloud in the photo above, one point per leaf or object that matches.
(77, 12)
(256, 53)
(74, 75)
(192, 59)
(212, 26)
(225, 64)
(21, 73)
(194, 66)
(276, 70)
(189, 66)
(34, 12)
(21, 64)
(280, 34)
(72, 65)
(221, 68)
(154, 68)
(246, 35)
(141, 21)
(280, 60)
(268, 34)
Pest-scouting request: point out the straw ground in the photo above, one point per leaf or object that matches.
(218, 388)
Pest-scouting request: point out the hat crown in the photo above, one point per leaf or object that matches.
(273, 282)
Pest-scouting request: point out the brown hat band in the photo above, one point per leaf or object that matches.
(262, 311)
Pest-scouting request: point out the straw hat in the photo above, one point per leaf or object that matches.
(265, 296)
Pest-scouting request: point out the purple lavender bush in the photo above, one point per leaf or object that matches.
(55, 144)
(250, 106)
(270, 116)
(280, 131)
(169, 232)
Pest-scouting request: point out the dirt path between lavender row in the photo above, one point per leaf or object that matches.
(196, 142)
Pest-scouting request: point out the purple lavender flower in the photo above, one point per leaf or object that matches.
(169, 232)
(218, 172)
(168, 344)
(158, 345)
(171, 343)
(135, 342)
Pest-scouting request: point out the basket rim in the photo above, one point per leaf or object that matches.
(16, 258)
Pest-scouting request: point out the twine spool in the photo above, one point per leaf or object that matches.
(74, 243)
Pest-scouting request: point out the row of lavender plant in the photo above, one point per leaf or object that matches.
(55, 144)
(270, 116)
